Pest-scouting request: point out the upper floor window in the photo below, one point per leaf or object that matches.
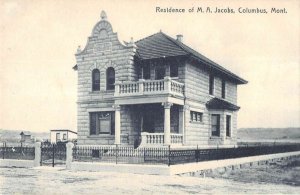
(110, 78)
(146, 72)
(96, 80)
(223, 89)
(211, 84)
(174, 70)
(215, 125)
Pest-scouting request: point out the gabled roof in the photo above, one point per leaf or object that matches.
(160, 45)
(219, 104)
(25, 133)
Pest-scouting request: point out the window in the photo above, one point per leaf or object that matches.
(110, 78)
(196, 116)
(102, 123)
(174, 70)
(64, 136)
(223, 88)
(215, 125)
(57, 137)
(160, 72)
(96, 80)
(211, 85)
(228, 125)
(146, 72)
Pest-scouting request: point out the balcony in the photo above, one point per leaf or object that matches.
(166, 86)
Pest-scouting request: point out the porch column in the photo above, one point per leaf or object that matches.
(167, 123)
(117, 124)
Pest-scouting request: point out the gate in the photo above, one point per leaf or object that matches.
(53, 154)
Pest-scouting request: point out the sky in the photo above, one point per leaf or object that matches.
(39, 39)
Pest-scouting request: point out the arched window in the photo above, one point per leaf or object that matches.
(96, 80)
(110, 78)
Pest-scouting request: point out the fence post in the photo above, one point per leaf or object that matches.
(197, 154)
(3, 150)
(37, 155)
(169, 161)
(53, 153)
(116, 153)
(69, 155)
(144, 155)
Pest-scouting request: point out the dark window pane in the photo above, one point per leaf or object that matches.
(112, 123)
(215, 124)
(174, 70)
(96, 80)
(228, 125)
(110, 79)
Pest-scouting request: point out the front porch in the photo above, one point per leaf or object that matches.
(159, 124)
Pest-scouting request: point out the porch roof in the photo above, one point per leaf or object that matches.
(219, 104)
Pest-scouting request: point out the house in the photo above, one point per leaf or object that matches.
(25, 137)
(153, 92)
(62, 135)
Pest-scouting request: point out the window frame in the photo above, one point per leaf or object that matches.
(110, 75)
(218, 125)
(57, 136)
(194, 115)
(100, 116)
(174, 69)
(96, 86)
(228, 125)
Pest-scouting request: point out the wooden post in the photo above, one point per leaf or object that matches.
(169, 161)
(53, 153)
(116, 153)
(197, 154)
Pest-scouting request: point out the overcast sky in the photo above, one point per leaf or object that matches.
(39, 39)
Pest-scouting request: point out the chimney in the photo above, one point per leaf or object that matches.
(179, 38)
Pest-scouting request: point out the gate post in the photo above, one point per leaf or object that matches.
(37, 155)
(69, 155)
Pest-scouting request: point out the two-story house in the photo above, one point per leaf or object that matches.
(153, 92)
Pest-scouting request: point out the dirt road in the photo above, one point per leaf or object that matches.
(48, 180)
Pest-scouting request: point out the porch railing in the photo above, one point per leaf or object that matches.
(158, 138)
(147, 87)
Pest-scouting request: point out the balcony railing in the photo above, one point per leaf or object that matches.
(147, 87)
(158, 138)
